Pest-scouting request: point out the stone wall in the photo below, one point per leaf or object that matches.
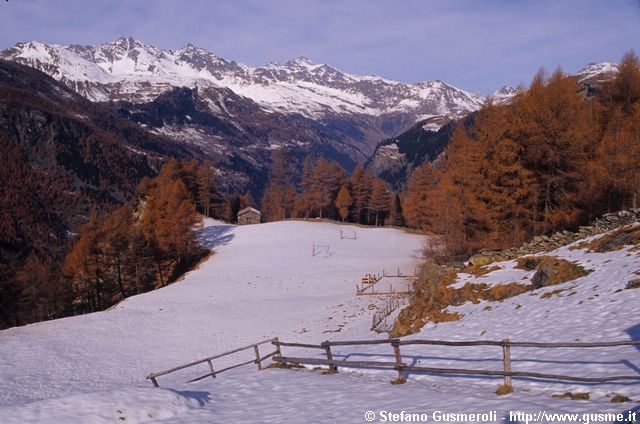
(543, 243)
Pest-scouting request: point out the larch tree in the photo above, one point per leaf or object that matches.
(617, 152)
(115, 243)
(396, 216)
(306, 200)
(380, 201)
(272, 204)
(421, 202)
(344, 202)
(279, 196)
(361, 187)
(206, 193)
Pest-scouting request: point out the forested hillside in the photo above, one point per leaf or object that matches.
(325, 190)
(551, 160)
(144, 244)
(60, 156)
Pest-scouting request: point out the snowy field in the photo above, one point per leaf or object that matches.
(263, 282)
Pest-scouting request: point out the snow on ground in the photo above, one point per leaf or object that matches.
(263, 282)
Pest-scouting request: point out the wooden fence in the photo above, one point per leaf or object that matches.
(379, 321)
(209, 361)
(321, 249)
(350, 235)
(402, 368)
(369, 288)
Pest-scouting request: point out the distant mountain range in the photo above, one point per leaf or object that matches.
(129, 70)
(236, 115)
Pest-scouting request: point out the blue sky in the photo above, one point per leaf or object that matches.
(475, 45)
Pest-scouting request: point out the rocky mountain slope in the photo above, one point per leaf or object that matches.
(236, 134)
(301, 105)
(395, 158)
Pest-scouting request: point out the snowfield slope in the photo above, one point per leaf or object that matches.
(263, 282)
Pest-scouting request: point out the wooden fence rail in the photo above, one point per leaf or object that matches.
(403, 368)
(209, 361)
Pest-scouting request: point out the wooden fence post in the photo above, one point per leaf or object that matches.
(506, 359)
(213, 373)
(276, 342)
(255, 348)
(396, 351)
(327, 348)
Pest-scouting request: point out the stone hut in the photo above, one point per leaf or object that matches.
(249, 216)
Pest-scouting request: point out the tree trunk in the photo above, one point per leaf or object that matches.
(118, 269)
(137, 279)
(97, 289)
(160, 272)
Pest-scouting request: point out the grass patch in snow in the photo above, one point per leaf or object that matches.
(619, 399)
(399, 380)
(283, 365)
(504, 390)
(633, 284)
(550, 270)
(435, 291)
(572, 396)
(547, 295)
(614, 240)
(479, 271)
(434, 294)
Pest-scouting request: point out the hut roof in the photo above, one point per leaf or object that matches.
(249, 210)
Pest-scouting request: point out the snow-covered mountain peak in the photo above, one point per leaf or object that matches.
(126, 43)
(128, 69)
(302, 61)
(505, 94)
(191, 50)
(599, 67)
(600, 71)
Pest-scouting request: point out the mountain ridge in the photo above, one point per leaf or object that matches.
(325, 88)
(239, 114)
(302, 106)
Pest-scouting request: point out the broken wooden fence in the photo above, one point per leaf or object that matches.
(257, 359)
(380, 316)
(403, 368)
